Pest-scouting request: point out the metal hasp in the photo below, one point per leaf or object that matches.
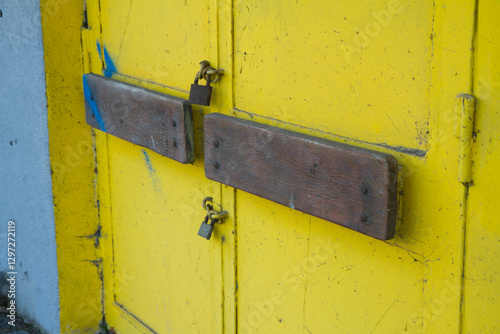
(346, 185)
(160, 122)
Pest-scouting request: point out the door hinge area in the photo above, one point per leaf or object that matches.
(463, 130)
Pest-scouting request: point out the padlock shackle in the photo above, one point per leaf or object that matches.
(196, 80)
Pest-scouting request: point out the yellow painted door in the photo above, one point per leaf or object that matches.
(482, 248)
(377, 74)
(159, 275)
(383, 75)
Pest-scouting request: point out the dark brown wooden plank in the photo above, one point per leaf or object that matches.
(347, 185)
(160, 122)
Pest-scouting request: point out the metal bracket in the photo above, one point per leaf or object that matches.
(463, 130)
(211, 213)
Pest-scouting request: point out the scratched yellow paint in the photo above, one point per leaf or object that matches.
(163, 270)
(159, 275)
(365, 67)
(158, 41)
(291, 71)
(72, 164)
(482, 275)
(303, 66)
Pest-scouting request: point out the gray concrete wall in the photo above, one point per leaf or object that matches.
(25, 178)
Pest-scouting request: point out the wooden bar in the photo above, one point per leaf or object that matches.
(346, 185)
(160, 122)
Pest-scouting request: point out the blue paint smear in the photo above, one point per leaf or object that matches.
(152, 171)
(109, 66)
(148, 162)
(93, 105)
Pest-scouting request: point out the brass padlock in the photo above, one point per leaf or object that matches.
(200, 94)
(206, 229)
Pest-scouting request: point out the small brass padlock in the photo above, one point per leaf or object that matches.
(206, 229)
(200, 94)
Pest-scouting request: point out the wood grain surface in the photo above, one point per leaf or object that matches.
(346, 185)
(160, 122)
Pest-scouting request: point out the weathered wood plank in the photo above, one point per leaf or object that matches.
(160, 122)
(347, 185)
